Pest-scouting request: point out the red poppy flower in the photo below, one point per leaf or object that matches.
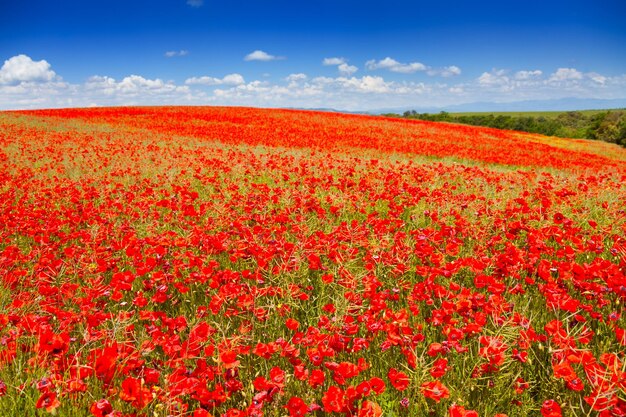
(334, 400)
(297, 407)
(377, 385)
(277, 377)
(201, 412)
(229, 359)
(440, 367)
(551, 408)
(398, 379)
(575, 384)
(364, 389)
(456, 411)
(134, 391)
(435, 390)
(234, 412)
(327, 278)
(49, 401)
(292, 324)
(370, 409)
(101, 408)
(316, 378)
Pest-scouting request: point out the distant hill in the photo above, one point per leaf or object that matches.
(564, 104)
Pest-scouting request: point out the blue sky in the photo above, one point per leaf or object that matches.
(354, 55)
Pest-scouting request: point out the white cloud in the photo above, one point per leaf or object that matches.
(105, 85)
(36, 95)
(230, 79)
(22, 68)
(296, 80)
(350, 93)
(133, 85)
(370, 84)
(365, 84)
(598, 78)
(504, 86)
(497, 77)
(29, 84)
(395, 66)
(527, 75)
(450, 71)
(345, 69)
(296, 77)
(195, 3)
(333, 61)
(342, 65)
(565, 74)
(171, 54)
(259, 55)
(233, 79)
(412, 67)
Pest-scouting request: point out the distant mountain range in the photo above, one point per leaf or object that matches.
(564, 104)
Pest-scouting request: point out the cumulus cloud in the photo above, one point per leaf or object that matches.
(104, 84)
(259, 55)
(529, 84)
(365, 84)
(505, 85)
(25, 83)
(195, 3)
(528, 75)
(299, 86)
(230, 79)
(395, 66)
(494, 78)
(412, 67)
(350, 93)
(450, 71)
(36, 95)
(296, 80)
(22, 68)
(296, 77)
(345, 69)
(342, 65)
(333, 61)
(598, 78)
(368, 84)
(132, 85)
(135, 83)
(234, 79)
(565, 74)
(171, 54)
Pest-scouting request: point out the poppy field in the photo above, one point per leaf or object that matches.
(172, 261)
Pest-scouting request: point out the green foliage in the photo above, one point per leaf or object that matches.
(608, 126)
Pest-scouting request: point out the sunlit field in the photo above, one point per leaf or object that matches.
(252, 262)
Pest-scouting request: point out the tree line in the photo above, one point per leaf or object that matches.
(609, 126)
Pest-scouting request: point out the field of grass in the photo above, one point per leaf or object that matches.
(253, 262)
